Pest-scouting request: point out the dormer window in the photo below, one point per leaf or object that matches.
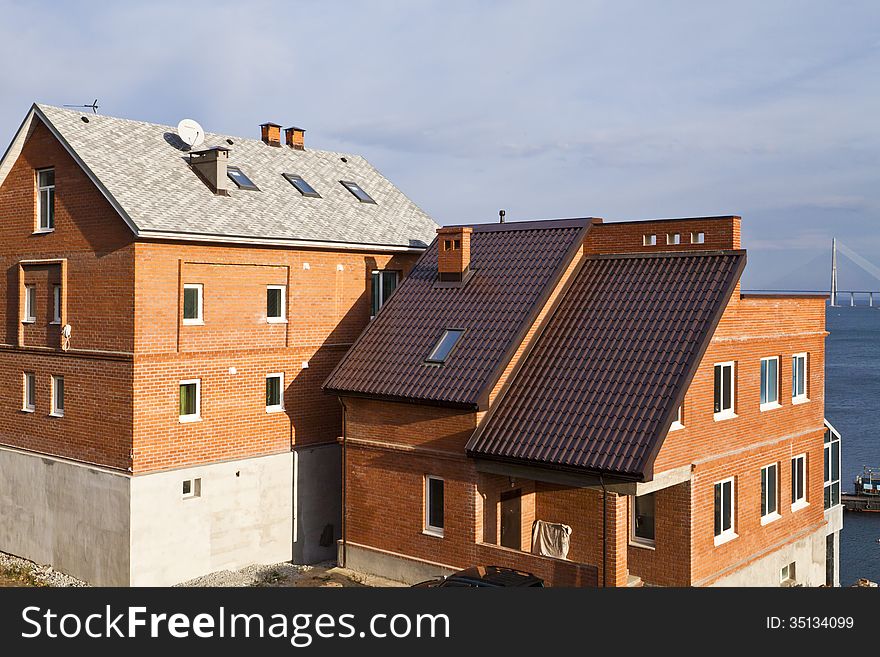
(301, 185)
(444, 346)
(46, 200)
(451, 245)
(239, 178)
(359, 193)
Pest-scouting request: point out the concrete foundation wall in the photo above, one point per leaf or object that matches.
(390, 565)
(243, 515)
(71, 516)
(318, 503)
(808, 554)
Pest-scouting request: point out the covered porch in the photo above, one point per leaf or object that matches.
(621, 533)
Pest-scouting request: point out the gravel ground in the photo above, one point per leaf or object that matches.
(15, 571)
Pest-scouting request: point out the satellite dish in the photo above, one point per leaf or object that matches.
(191, 132)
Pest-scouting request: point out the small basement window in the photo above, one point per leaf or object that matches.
(239, 178)
(359, 193)
(444, 346)
(191, 488)
(649, 240)
(301, 185)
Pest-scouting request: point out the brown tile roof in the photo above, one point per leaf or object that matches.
(515, 267)
(601, 386)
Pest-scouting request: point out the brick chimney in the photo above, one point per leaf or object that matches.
(210, 165)
(270, 133)
(295, 138)
(454, 252)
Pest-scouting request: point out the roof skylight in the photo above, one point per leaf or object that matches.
(359, 193)
(444, 346)
(301, 185)
(237, 176)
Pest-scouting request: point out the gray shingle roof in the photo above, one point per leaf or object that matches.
(141, 167)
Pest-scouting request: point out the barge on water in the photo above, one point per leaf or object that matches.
(867, 492)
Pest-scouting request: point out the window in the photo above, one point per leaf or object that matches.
(46, 200)
(649, 240)
(698, 238)
(724, 509)
(274, 393)
(724, 390)
(769, 383)
(383, 283)
(799, 378)
(57, 396)
(30, 304)
(799, 482)
(452, 245)
(190, 400)
(359, 193)
(643, 515)
(56, 304)
(29, 401)
(444, 346)
(787, 576)
(832, 467)
(769, 493)
(301, 185)
(192, 303)
(677, 423)
(237, 176)
(191, 488)
(673, 238)
(275, 311)
(433, 505)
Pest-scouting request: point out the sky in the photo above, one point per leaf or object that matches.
(623, 110)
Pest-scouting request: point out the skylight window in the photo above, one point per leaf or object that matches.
(359, 193)
(444, 346)
(301, 185)
(237, 176)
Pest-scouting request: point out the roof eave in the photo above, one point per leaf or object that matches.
(269, 241)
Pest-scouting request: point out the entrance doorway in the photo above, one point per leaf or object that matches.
(511, 519)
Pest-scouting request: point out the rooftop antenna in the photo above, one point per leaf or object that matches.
(501, 214)
(94, 106)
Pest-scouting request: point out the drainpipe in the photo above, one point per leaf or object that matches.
(344, 483)
(604, 532)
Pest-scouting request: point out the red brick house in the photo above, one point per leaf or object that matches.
(597, 403)
(168, 317)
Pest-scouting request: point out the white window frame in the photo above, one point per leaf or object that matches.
(770, 516)
(805, 397)
(698, 237)
(678, 422)
(797, 504)
(638, 541)
(29, 316)
(726, 534)
(56, 301)
(725, 413)
(283, 318)
(788, 574)
(377, 274)
(673, 239)
(831, 477)
(28, 401)
(770, 405)
(40, 190)
(192, 417)
(649, 239)
(195, 488)
(428, 528)
(199, 320)
(56, 411)
(276, 408)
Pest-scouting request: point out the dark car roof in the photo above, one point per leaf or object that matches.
(496, 576)
(515, 267)
(601, 386)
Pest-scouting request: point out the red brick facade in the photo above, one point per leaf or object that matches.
(390, 448)
(129, 348)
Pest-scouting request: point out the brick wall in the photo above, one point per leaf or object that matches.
(668, 562)
(628, 236)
